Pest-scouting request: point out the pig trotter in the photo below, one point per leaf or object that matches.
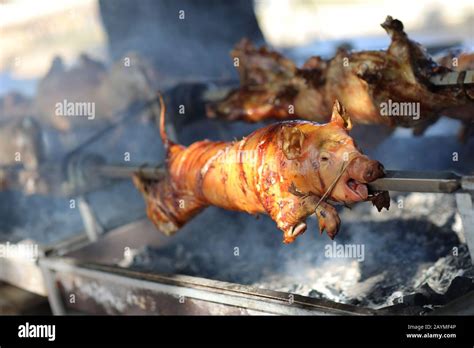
(290, 234)
(328, 219)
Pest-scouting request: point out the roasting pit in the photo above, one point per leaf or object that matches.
(406, 271)
(413, 259)
(414, 256)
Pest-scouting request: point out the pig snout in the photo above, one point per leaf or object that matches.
(365, 170)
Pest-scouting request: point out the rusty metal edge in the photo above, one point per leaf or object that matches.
(26, 274)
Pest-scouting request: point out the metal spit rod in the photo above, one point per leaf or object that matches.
(124, 172)
(394, 180)
(411, 181)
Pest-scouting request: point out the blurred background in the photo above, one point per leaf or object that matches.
(118, 53)
(34, 32)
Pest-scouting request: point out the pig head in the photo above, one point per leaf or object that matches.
(324, 166)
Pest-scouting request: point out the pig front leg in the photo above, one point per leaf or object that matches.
(291, 212)
(328, 219)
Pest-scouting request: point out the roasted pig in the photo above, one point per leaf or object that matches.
(389, 87)
(288, 170)
(456, 60)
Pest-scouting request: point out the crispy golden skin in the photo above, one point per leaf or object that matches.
(273, 87)
(287, 170)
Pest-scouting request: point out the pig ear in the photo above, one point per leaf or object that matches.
(340, 116)
(291, 141)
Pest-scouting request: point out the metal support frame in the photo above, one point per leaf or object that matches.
(83, 173)
(60, 274)
(465, 205)
(101, 289)
(439, 182)
(54, 295)
(92, 225)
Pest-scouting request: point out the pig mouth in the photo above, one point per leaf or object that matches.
(357, 189)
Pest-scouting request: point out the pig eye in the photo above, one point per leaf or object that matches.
(324, 157)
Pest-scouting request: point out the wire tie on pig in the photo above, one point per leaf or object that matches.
(344, 167)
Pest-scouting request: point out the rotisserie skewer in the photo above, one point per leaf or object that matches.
(368, 83)
(288, 170)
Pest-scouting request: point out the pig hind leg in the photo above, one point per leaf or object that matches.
(166, 208)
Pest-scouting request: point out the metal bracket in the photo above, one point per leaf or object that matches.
(91, 224)
(465, 205)
(54, 295)
(440, 182)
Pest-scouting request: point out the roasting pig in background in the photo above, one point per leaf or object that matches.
(273, 87)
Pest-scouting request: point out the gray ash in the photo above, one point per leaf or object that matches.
(406, 251)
